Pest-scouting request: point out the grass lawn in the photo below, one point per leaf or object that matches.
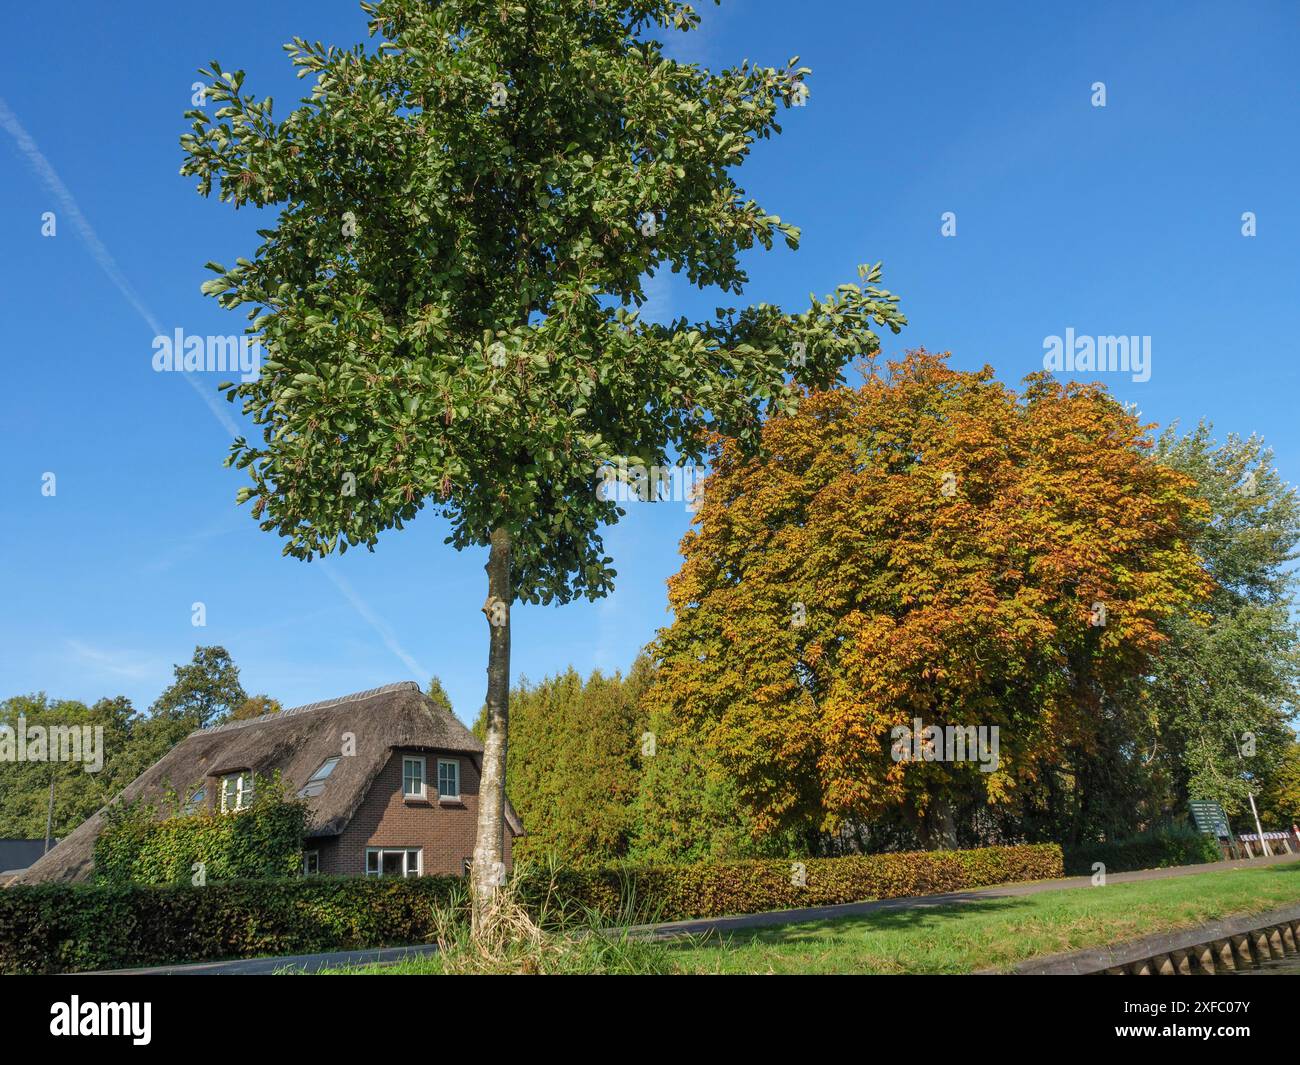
(990, 933)
(981, 934)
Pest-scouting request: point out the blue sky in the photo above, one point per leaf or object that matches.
(1117, 220)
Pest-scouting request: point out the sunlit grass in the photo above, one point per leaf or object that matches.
(992, 933)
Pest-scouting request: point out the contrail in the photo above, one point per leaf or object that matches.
(376, 623)
(68, 206)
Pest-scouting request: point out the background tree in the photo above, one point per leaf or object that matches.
(1279, 798)
(466, 217)
(574, 763)
(438, 694)
(255, 706)
(78, 793)
(1231, 667)
(205, 691)
(932, 545)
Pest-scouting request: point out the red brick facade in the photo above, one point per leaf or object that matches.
(444, 831)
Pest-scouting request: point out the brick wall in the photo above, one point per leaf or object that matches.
(445, 831)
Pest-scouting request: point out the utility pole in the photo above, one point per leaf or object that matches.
(49, 812)
(1251, 796)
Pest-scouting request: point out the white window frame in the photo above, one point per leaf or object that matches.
(405, 852)
(243, 791)
(455, 764)
(424, 777)
(305, 856)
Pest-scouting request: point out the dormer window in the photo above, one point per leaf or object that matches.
(236, 791)
(195, 802)
(316, 782)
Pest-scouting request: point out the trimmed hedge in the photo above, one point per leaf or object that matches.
(1157, 849)
(56, 928)
(716, 889)
(52, 928)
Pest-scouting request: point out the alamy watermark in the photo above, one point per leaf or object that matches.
(624, 482)
(947, 743)
(240, 355)
(53, 743)
(1108, 354)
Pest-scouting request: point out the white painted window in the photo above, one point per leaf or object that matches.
(449, 778)
(236, 791)
(413, 778)
(394, 861)
(310, 863)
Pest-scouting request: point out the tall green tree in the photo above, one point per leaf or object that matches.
(1229, 677)
(573, 764)
(79, 788)
(466, 215)
(206, 690)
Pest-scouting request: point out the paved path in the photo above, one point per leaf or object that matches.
(310, 963)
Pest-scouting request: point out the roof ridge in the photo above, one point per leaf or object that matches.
(229, 726)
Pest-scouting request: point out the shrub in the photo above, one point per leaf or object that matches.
(53, 928)
(1155, 849)
(715, 889)
(264, 840)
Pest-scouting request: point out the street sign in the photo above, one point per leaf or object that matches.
(1210, 819)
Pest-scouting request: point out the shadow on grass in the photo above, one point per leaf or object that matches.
(932, 920)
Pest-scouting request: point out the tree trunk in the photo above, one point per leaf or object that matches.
(489, 869)
(938, 829)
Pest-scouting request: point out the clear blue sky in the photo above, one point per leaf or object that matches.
(1122, 220)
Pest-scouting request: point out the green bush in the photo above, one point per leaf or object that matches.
(264, 840)
(55, 928)
(715, 889)
(1156, 849)
(52, 928)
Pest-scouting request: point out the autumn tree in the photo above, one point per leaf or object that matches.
(255, 706)
(464, 219)
(932, 547)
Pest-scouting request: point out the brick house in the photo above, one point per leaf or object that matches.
(390, 777)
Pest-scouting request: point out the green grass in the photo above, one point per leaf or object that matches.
(992, 933)
(961, 938)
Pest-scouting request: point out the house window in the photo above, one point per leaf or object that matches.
(413, 778)
(310, 863)
(236, 791)
(394, 861)
(449, 778)
(316, 782)
(195, 801)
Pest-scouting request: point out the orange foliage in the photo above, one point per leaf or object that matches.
(946, 540)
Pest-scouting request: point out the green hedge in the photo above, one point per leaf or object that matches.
(264, 840)
(1156, 849)
(54, 928)
(715, 889)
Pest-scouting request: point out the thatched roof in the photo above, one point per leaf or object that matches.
(295, 743)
